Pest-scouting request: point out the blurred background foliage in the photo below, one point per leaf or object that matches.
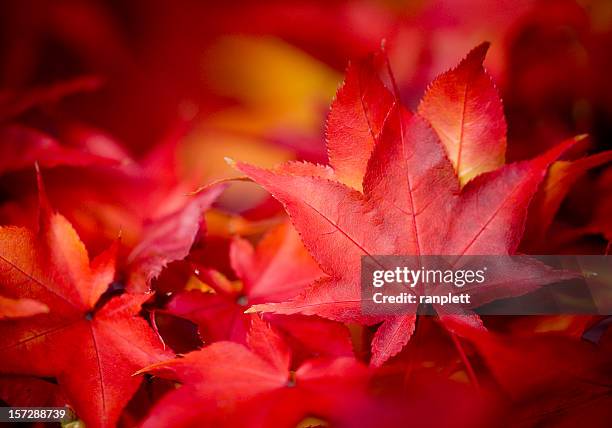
(252, 80)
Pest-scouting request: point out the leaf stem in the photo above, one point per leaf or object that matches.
(465, 360)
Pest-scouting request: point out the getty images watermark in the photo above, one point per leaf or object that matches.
(487, 285)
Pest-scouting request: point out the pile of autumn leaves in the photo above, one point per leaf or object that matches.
(284, 340)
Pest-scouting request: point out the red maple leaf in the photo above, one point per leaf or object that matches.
(547, 202)
(227, 384)
(259, 385)
(167, 238)
(412, 201)
(545, 389)
(89, 343)
(146, 202)
(279, 268)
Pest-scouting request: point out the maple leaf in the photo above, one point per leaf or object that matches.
(542, 386)
(277, 269)
(166, 239)
(91, 344)
(411, 203)
(561, 177)
(229, 384)
(261, 384)
(146, 202)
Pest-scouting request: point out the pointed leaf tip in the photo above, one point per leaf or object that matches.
(44, 207)
(355, 121)
(479, 52)
(465, 109)
(473, 61)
